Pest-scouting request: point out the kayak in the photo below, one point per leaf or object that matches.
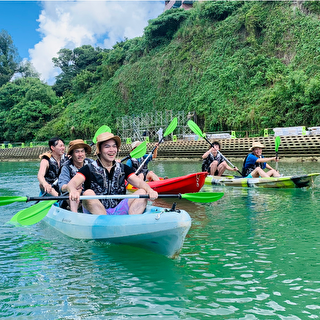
(157, 229)
(299, 181)
(185, 184)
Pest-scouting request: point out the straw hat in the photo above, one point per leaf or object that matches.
(105, 136)
(135, 144)
(256, 145)
(78, 144)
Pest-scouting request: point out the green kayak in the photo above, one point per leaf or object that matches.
(299, 181)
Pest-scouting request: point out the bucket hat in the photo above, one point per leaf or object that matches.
(77, 144)
(256, 144)
(135, 144)
(105, 136)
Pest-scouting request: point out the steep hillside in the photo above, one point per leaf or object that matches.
(239, 65)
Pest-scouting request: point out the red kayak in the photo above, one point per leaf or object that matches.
(186, 184)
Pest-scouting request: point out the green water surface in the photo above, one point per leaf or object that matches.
(254, 254)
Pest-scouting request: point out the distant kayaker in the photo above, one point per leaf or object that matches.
(50, 165)
(254, 163)
(107, 176)
(144, 173)
(214, 162)
(77, 150)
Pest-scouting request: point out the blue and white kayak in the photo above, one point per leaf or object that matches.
(157, 229)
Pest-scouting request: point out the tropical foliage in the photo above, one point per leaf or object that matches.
(241, 65)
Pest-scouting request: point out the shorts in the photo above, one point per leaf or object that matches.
(121, 209)
(249, 176)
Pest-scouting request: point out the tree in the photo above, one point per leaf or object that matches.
(27, 70)
(72, 62)
(25, 107)
(9, 58)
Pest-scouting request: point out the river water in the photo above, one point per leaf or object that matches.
(254, 254)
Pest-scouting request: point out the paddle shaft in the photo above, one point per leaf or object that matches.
(117, 196)
(169, 130)
(149, 155)
(277, 144)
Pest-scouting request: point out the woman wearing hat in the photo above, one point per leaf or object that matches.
(144, 173)
(106, 176)
(254, 163)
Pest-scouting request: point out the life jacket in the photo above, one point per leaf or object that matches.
(246, 171)
(72, 168)
(136, 163)
(206, 163)
(101, 184)
(53, 171)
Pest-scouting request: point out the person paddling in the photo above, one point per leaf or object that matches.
(107, 176)
(254, 163)
(214, 163)
(145, 174)
(50, 165)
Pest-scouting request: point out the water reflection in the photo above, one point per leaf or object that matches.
(251, 255)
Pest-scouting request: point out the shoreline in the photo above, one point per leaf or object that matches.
(282, 159)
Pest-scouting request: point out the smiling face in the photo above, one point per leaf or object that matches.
(108, 150)
(257, 152)
(78, 156)
(59, 148)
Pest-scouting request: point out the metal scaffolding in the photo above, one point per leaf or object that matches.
(148, 124)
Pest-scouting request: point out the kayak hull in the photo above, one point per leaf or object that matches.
(299, 181)
(156, 230)
(185, 184)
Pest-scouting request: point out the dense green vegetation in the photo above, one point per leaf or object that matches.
(239, 65)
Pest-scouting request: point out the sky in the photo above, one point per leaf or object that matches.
(39, 29)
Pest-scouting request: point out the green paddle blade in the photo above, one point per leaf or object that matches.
(277, 143)
(139, 151)
(102, 129)
(202, 197)
(33, 214)
(194, 127)
(171, 127)
(7, 200)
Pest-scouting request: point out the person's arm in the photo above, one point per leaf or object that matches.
(231, 169)
(74, 184)
(206, 154)
(140, 184)
(155, 152)
(44, 166)
(266, 159)
(64, 179)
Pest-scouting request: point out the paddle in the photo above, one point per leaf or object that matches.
(29, 217)
(195, 197)
(138, 152)
(170, 129)
(102, 129)
(194, 127)
(277, 144)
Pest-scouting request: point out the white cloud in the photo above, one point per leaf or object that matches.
(72, 24)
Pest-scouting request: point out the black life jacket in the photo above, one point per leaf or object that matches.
(53, 171)
(101, 184)
(206, 163)
(72, 168)
(246, 171)
(136, 163)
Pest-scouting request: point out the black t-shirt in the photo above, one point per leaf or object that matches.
(85, 171)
